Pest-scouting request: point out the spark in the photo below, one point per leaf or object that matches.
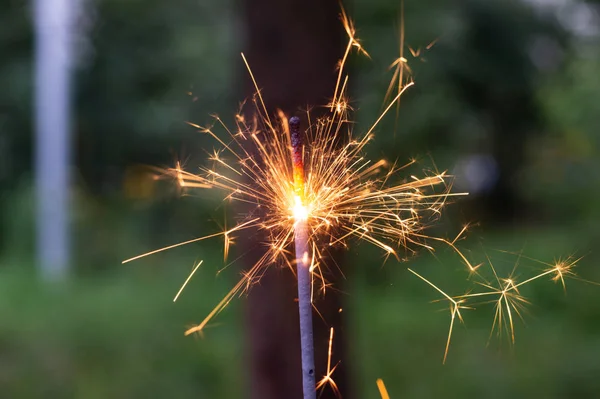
(504, 294)
(241, 226)
(561, 269)
(382, 390)
(400, 65)
(455, 306)
(327, 379)
(187, 280)
(403, 73)
(338, 103)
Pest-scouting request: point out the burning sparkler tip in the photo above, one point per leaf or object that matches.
(296, 138)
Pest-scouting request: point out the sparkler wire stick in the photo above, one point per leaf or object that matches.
(303, 264)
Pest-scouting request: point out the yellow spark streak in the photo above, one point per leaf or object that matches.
(389, 106)
(238, 227)
(352, 42)
(455, 306)
(327, 379)
(400, 63)
(264, 107)
(402, 71)
(221, 305)
(187, 280)
(561, 268)
(382, 390)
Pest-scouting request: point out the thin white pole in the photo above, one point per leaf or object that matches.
(53, 60)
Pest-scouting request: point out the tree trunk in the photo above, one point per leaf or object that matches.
(293, 48)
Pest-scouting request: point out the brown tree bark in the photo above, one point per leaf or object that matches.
(293, 48)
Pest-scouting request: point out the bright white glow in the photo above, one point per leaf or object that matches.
(299, 210)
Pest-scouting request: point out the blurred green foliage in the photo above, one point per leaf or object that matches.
(502, 79)
(119, 334)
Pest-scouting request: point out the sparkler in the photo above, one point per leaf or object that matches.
(302, 262)
(311, 190)
(321, 193)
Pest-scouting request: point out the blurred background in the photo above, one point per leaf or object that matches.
(95, 92)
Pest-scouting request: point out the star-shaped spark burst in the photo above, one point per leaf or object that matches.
(503, 293)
